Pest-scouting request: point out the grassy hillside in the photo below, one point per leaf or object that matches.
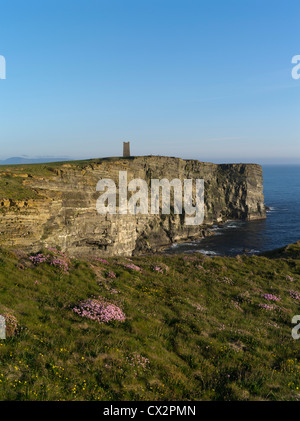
(195, 328)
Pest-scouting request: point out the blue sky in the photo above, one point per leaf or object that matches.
(202, 79)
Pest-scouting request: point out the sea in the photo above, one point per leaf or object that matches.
(281, 227)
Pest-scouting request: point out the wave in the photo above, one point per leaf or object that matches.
(218, 229)
(239, 250)
(252, 251)
(206, 252)
(231, 225)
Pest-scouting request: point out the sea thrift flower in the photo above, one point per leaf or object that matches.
(54, 258)
(267, 307)
(102, 260)
(158, 269)
(137, 360)
(295, 295)
(133, 267)
(61, 263)
(39, 258)
(270, 297)
(100, 311)
(111, 275)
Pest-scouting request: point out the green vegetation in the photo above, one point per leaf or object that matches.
(13, 178)
(47, 169)
(12, 187)
(196, 328)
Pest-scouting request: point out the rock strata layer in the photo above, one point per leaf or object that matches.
(55, 204)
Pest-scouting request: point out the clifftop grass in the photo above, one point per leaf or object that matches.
(196, 328)
(12, 177)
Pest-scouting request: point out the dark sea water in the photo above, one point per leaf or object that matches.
(282, 226)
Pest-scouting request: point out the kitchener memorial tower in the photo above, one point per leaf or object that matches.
(126, 149)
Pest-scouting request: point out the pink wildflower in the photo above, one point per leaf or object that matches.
(102, 260)
(111, 275)
(133, 267)
(100, 311)
(295, 295)
(267, 307)
(271, 297)
(54, 258)
(158, 269)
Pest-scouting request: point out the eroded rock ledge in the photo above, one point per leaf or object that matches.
(54, 205)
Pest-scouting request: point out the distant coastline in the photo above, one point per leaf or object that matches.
(16, 160)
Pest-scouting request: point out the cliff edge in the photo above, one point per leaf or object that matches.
(54, 205)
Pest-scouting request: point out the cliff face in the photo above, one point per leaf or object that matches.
(54, 205)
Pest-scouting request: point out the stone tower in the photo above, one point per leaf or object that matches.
(126, 149)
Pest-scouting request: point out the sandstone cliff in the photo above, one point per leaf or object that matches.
(54, 205)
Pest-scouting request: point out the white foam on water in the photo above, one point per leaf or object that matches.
(232, 224)
(207, 252)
